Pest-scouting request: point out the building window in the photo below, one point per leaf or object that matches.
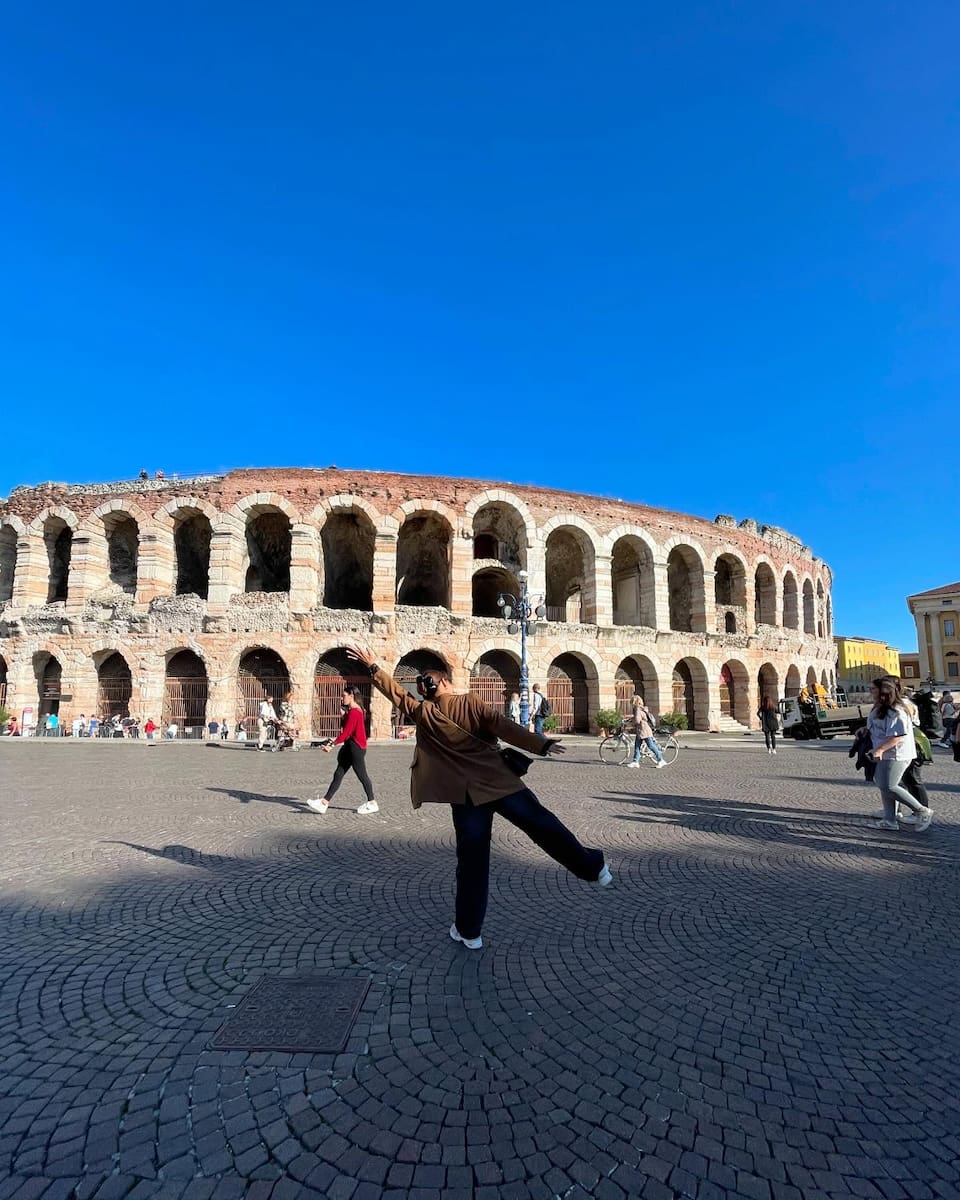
(949, 628)
(908, 670)
(953, 668)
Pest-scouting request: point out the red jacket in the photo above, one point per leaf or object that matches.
(353, 727)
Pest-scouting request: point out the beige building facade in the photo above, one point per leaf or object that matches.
(937, 616)
(189, 600)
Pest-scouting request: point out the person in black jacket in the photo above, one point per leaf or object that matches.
(769, 722)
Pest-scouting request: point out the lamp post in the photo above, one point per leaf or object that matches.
(517, 613)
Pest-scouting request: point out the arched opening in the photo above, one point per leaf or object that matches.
(487, 585)
(58, 540)
(821, 611)
(49, 680)
(569, 694)
(824, 681)
(191, 547)
(730, 593)
(636, 676)
(768, 683)
(8, 561)
(263, 675)
(809, 620)
(423, 561)
(791, 686)
(691, 693)
(735, 692)
(765, 595)
(811, 681)
(114, 687)
(494, 678)
(499, 533)
(348, 540)
(631, 570)
(414, 664)
(269, 539)
(185, 691)
(123, 550)
(569, 573)
(334, 672)
(685, 589)
(791, 616)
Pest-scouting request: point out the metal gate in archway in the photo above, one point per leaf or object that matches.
(726, 692)
(327, 696)
(257, 682)
(185, 703)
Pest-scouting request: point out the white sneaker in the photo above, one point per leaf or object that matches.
(773, 751)
(660, 765)
(470, 943)
(368, 806)
(605, 878)
(318, 806)
(885, 824)
(924, 819)
(909, 818)
(634, 765)
(769, 751)
(879, 815)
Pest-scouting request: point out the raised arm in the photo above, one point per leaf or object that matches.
(506, 730)
(384, 682)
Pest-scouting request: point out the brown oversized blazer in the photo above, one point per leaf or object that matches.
(450, 764)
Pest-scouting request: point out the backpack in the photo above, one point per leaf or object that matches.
(546, 708)
(924, 753)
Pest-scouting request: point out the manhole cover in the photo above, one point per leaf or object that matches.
(312, 1015)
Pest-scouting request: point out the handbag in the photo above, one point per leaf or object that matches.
(518, 763)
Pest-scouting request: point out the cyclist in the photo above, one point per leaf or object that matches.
(643, 734)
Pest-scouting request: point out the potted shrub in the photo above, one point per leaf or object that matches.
(551, 724)
(608, 720)
(674, 721)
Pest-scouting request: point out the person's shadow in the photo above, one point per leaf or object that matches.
(249, 797)
(173, 852)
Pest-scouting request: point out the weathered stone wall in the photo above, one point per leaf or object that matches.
(332, 540)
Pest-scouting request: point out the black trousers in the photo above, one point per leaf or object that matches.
(770, 737)
(914, 784)
(350, 755)
(473, 824)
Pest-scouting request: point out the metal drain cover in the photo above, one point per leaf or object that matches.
(311, 1014)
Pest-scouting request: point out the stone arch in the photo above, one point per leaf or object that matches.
(344, 502)
(791, 606)
(809, 616)
(333, 672)
(768, 683)
(424, 550)
(730, 592)
(192, 535)
(633, 582)
(57, 531)
(268, 535)
(348, 541)
(508, 501)
(494, 677)
(765, 595)
(791, 685)
(691, 692)
(735, 698)
(686, 589)
(261, 675)
(9, 537)
(114, 684)
(811, 683)
(186, 689)
(122, 533)
(48, 672)
(637, 676)
(414, 663)
(825, 681)
(501, 534)
(570, 565)
(569, 679)
(487, 585)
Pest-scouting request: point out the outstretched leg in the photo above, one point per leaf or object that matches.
(473, 825)
(548, 832)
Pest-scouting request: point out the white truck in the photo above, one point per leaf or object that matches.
(805, 719)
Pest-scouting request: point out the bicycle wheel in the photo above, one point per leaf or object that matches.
(670, 748)
(613, 750)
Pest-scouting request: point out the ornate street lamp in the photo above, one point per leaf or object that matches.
(517, 613)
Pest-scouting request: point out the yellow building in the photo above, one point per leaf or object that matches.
(861, 660)
(937, 614)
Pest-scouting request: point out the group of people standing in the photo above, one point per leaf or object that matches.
(890, 750)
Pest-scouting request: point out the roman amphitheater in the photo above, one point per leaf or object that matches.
(187, 600)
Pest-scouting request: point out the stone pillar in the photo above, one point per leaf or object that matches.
(21, 684)
(461, 575)
(937, 666)
(31, 581)
(304, 568)
(661, 585)
(709, 607)
(750, 590)
(221, 695)
(149, 701)
(920, 618)
(226, 563)
(89, 569)
(603, 592)
(380, 708)
(155, 568)
(384, 572)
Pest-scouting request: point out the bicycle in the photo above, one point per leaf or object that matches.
(617, 749)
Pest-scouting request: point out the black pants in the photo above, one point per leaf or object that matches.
(914, 784)
(473, 824)
(350, 755)
(770, 737)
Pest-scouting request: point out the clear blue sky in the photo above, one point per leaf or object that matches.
(701, 255)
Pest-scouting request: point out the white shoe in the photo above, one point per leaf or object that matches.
(634, 765)
(605, 878)
(879, 815)
(773, 751)
(318, 806)
(909, 818)
(470, 943)
(885, 824)
(660, 765)
(769, 751)
(924, 819)
(368, 806)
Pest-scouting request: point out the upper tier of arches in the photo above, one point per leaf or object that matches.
(345, 553)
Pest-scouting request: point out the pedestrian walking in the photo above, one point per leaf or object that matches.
(769, 722)
(643, 735)
(224, 729)
(513, 708)
(213, 729)
(457, 763)
(352, 741)
(149, 728)
(266, 720)
(894, 748)
(948, 711)
(539, 709)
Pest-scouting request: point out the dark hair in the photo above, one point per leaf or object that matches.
(350, 690)
(768, 702)
(888, 694)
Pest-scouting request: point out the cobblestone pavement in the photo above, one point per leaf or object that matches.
(764, 1006)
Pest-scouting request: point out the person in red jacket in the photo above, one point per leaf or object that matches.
(353, 753)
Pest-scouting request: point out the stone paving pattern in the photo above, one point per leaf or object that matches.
(764, 1006)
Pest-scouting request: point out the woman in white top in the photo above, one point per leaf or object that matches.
(894, 749)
